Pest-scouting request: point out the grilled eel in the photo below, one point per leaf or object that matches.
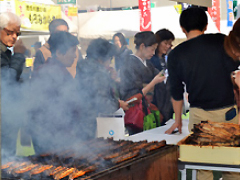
(156, 145)
(125, 157)
(7, 165)
(40, 169)
(16, 165)
(64, 173)
(52, 171)
(25, 168)
(78, 173)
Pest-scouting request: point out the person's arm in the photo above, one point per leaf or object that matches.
(17, 60)
(39, 60)
(157, 79)
(237, 81)
(177, 107)
(176, 89)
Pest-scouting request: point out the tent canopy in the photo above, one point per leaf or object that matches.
(107, 23)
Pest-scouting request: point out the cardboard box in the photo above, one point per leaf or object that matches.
(208, 154)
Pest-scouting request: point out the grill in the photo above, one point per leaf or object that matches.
(99, 159)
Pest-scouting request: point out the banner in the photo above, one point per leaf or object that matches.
(235, 8)
(230, 15)
(205, 3)
(72, 11)
(145, 15)
(215, 13)
(7, 6)
(37, 16)
(66, 1)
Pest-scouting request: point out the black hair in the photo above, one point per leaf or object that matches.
(146, 37)
(100, 49)
(62, 41)
(162, 35)
(193, 18)
(121, 38)
(55, 23)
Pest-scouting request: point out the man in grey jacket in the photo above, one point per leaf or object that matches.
(11, 65)
(11, 70)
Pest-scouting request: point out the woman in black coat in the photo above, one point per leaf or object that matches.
(96, 87)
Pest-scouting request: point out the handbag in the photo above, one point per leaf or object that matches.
(134, 115)
(141, 115)
(152, 116)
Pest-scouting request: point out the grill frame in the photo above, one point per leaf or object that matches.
(147, 162)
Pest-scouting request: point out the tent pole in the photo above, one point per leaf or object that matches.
(77, 21)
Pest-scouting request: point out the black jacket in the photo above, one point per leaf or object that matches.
(133, 75)
(95, 87)
(121, 56)
(11, 65)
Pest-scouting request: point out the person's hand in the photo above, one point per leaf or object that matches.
(159, 78)
(19, 47)
(177, 125)
(237, 78)
(123, 105)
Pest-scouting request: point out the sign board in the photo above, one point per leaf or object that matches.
(37, 16)
(72, 11)
(205, 3)
(145, 15)
(66, 1)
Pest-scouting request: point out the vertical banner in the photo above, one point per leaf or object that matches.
(145, 15)
(215, 13)
(230, 15)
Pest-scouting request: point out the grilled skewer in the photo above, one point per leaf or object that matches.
(64, 173)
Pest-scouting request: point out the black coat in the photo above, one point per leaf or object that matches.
(133, 75)
(95, 88)
(11, 65)
(121, 57)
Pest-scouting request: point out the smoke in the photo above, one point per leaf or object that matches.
(59, 112)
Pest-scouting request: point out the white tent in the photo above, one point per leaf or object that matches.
(106, 23)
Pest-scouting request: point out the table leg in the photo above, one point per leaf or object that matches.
(194, 174)
(183, 174)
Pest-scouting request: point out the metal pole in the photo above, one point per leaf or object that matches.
(77, 20)
(111, 5)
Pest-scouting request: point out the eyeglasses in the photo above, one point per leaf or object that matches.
(11, 32)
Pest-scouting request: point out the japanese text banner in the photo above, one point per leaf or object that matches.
(145, 15)
(37, 16)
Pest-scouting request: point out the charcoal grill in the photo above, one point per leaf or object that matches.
(158, 164)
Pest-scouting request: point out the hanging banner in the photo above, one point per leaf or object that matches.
(7, 6)
(145, 15)
(204, 3)
(215, 13)
(235, 8)
(37, 16)
(66, 1)
(72, 11)
(230, 15)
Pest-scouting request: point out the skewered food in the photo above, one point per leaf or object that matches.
(215, 134)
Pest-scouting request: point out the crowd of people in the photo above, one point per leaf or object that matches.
(59, 105)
